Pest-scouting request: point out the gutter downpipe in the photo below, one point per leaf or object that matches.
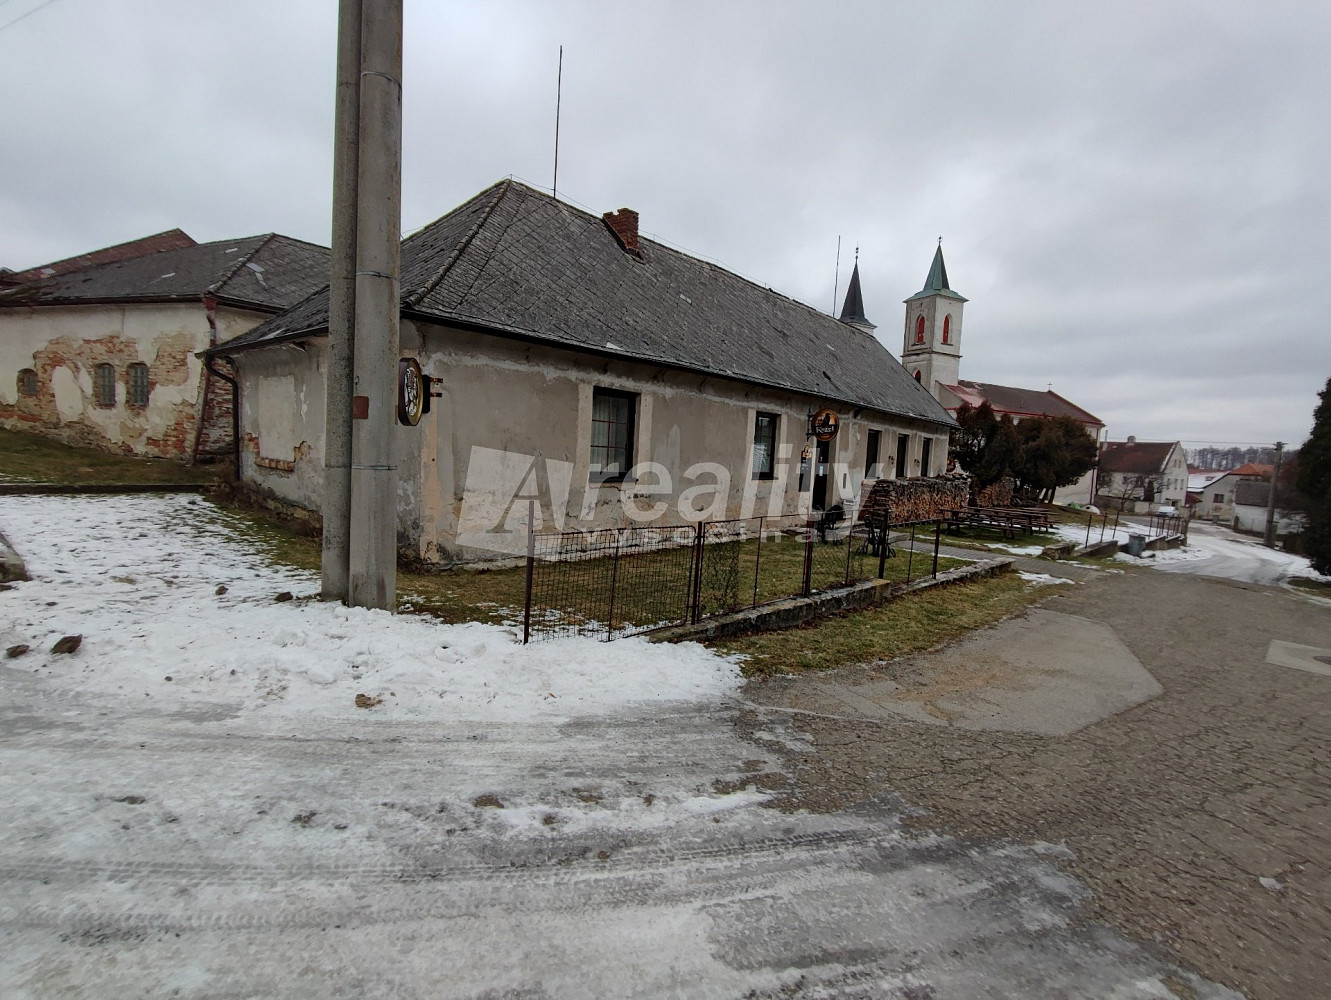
(235, 408)
(335, 561)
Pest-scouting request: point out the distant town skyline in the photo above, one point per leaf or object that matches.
(1132, 198)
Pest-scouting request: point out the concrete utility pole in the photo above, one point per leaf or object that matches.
(336, 559)
(373, 566)
(1270, 540)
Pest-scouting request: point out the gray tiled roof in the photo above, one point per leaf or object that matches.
(268, 273)
(516, 261)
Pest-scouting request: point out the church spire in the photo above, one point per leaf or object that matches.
(936, 282)
(852, 311)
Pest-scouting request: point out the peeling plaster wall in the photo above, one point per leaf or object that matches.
(535, 403)
(282, 421)
(65, 344)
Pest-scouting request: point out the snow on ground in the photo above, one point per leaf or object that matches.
(1217, 551)
(1042, 579)
(137, 577)
(252, 834)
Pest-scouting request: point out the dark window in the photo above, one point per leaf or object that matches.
(764, 445)
(1218, 498)
(27, 382)
(947, 329)
(871, 470)
(919, 330)
(104, 385)
(903, 452)
(612, 434)
(926, 447)
(917, 375)
(138, 384)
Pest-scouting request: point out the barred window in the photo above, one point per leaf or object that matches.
(612, 434)
(104, 385)
(27, 382)
(138, 384)
(764, 446)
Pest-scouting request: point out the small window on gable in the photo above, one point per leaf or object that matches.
(764, 445)
(919, 330)
(612, 434)
(947, 329)
(138, 384)
(27, 382)
(104, 385)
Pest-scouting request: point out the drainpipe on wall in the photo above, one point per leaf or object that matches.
(235, 409)
(209, 311)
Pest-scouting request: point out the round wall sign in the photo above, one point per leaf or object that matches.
(824, 425)
(410, 392)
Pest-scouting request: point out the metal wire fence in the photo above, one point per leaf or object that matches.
(621, 581)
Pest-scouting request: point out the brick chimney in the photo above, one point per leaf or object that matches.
(624, 224)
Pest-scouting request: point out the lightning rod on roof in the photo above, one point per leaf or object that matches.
(836, 278)
(559, 94)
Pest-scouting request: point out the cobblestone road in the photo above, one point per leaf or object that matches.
(1201, 819)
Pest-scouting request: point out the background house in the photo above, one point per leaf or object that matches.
(1139, 476)
(931, 353)
(1251, 497)
(1218, 496)
(608, 372)
(100, 350)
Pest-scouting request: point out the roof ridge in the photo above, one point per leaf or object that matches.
(416, 297)
(244, 259)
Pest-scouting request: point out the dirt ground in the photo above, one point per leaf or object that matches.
(1200, 818)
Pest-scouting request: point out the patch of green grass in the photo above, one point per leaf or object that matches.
(32, 458)
(1314, 586)
(910, 624)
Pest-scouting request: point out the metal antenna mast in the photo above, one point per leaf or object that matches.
(559, 95)
(836, 280)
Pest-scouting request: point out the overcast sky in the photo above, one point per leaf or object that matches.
(1133, 196)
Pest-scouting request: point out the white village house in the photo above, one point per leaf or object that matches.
(1140, 476)
(102, 350)
(619, 378)
(931, 353)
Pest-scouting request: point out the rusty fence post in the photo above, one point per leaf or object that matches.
(531, 565)
(757, 561)
(910, 558)
(884, 542)
(850, 535)
(694, 612)
(1089, 519)
(806, 587)
(938, 527)
(614, 574)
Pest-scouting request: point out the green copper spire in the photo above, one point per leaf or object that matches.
(936, 283)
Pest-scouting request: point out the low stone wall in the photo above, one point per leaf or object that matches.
(798, 610)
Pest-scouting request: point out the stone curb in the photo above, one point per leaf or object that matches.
(797, 610)
(11, 563)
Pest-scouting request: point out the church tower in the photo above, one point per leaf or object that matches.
(931, 350)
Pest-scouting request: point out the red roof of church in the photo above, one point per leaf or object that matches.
(1016, 402)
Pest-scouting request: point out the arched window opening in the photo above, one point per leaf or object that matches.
(104, 385)
(919, 330)
(947, 329)
(27, 382)
(138, 384)
(917, 375)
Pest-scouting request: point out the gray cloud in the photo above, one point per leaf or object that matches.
(1133, 196)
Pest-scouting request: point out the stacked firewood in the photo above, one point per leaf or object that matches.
(903, 500)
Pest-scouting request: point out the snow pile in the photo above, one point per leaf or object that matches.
(1215, 551)
(137, 577)
(1042, 579)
